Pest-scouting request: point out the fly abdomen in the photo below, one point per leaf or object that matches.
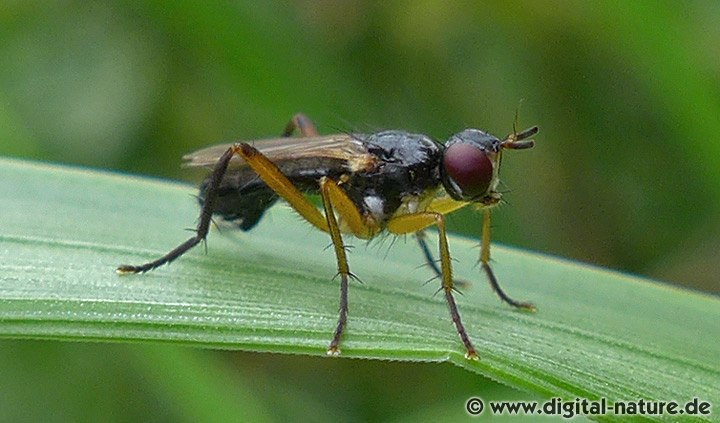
(242, 198)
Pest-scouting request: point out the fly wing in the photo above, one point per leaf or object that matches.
(343, 147)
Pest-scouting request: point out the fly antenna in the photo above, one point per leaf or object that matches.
(519, 141)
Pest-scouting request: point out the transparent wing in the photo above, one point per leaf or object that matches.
(341, 146)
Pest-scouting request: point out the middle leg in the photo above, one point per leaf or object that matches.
(329, 195)
(335, 200)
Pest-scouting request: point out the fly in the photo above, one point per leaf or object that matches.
(391, 181)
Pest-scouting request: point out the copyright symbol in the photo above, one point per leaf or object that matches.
(474, 406)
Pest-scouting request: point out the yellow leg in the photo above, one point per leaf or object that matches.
(432, 263)
(415, 222)
(354, 222)
(278, 182)
(485, 262)
(446, 205)
(334, 200)
(267, 170)
(327, 193)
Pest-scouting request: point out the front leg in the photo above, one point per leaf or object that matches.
(410, 223)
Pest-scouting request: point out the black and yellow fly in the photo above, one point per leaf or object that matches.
(391, 181)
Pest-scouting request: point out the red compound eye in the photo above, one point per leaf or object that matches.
(469, 168)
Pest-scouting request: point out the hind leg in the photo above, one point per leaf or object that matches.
(305, 208)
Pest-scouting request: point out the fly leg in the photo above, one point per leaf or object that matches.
(485, 262)
(342, 263)
(303, 124)
(448, 205)
(299, 122)
(203, 225)
(430, 260)
(415, 222)
(336, 200)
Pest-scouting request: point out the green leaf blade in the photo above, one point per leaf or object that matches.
(596, 334)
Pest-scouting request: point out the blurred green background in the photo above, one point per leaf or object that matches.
(625, 173)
